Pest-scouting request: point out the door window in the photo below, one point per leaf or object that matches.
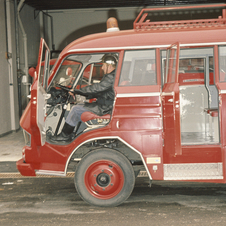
(138, 68)
(44, 72)
(171, 67)
(92, 74)
(222, 63)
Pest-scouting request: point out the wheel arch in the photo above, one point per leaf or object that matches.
(126, 149)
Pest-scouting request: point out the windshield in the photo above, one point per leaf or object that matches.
(71, 67)
(67, 73)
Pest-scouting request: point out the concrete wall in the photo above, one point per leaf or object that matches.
(9, 111)
(69, 25)
(31, 25)
(9, 82)
(30, 20)
(4, 76)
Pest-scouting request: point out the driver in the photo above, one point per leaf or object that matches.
(103, 92)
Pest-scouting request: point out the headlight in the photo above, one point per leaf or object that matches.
(27, 138)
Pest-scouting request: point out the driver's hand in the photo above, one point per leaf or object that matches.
(71, 92)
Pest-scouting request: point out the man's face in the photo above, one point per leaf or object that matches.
(107, 68)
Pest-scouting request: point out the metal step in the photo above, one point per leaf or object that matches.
(193, 171)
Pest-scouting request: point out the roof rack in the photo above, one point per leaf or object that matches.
(141, 23)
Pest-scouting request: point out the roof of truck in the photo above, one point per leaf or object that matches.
(132, 39)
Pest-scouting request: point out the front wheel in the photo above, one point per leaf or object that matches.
(104, 178)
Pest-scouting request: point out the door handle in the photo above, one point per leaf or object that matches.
(117, 124)
(170, 100)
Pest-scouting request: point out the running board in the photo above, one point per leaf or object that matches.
(193, 171)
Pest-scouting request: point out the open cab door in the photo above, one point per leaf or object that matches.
(171, 102)
(40, 94)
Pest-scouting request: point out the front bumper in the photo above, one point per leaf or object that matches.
(25, 168)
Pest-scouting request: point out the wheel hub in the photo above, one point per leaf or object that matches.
(103, 179)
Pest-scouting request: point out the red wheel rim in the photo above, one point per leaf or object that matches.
(104, 179)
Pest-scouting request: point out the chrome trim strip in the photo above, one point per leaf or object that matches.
(222, 91)
(145, 47)
(119, 48)
(52, 173)
(187, 86)
(167, 93)
(138, 94)
(110, 137)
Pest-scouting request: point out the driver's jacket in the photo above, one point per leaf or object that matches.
(104, 94)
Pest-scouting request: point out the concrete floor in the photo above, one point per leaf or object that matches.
(54, 201)
(11, 146)
(10, 151)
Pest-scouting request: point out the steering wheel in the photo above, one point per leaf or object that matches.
(58, 96)
(63, 87)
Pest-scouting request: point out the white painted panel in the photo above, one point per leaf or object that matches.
(193, 101)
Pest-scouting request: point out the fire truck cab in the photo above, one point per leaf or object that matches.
(168, 114)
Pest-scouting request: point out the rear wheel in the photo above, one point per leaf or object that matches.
(104, 178)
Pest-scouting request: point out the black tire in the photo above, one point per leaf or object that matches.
(104, 178)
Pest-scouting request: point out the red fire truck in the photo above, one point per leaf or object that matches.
(168, 114)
